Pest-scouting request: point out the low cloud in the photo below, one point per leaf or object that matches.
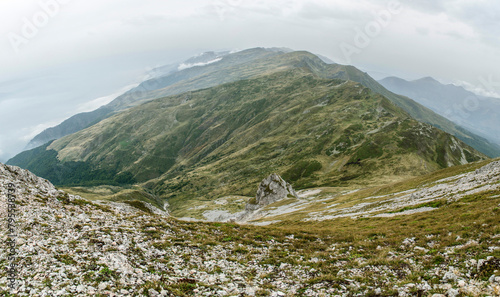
(186, 66)
(33, 131)
(101, 101)
(477, 89)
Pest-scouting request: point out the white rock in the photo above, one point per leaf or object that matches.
(453, 293)
(80, 288)
(102, 286)
(418, 248)
(450, 276)
(250, 291)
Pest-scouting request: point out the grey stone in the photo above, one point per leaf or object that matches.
(271, 189)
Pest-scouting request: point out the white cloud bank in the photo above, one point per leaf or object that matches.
(183, 66)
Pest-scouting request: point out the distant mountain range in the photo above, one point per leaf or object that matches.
(477, 114)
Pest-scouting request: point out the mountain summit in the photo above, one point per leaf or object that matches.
(201, 71)
(214, 68)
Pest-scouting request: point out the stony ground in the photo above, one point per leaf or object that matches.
(68, 246)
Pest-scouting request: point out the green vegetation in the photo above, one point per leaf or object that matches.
(304, 121)
(139, 205)
(134, 196)
(433, 204)
(368, 150)
(302, 169)
(44, 162)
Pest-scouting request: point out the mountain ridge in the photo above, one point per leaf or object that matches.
(176, 82)
(475, 113)
(132, 97)
(214, 142)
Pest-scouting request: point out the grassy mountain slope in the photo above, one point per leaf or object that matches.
(173, 82)
(252, 63)
(223, 140)
(73, 124)
(233, 67)
(281, 61)
(416, 110)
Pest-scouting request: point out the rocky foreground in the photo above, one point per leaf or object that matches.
(68, 246)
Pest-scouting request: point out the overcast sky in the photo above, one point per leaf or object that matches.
(61, 57)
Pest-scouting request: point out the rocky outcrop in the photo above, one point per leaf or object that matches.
(49, 225)
(26, 183)
(271, 189)
(68, 246)
(29, 187)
